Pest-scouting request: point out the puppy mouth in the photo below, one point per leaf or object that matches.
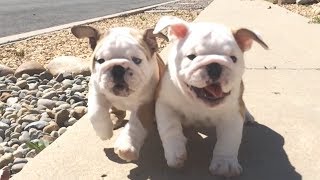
(211, 94)
(121, 89)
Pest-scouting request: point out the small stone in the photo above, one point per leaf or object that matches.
(28, 118)
(1, 150)
(3, 126)
(37, 125)
(25, 76)
(8, 149)
(15, 135)
(33, 86)
(59, 77)
(12, 116)
(5, 96)
(20, 160)
(6, 159)
(12, 100)
(15, 146)
(57, 86)
(53, 126)
(32, 79)
(43, 87)
(31, 154)
(77, 88)
(64, 106)
(22, 111)
(25, 137)
(31, 68)
(48, 138)
(22, 84)
(79, 111)
(49, 95)
(18, 129)
(54, 134)
(17, 167)
(2, 134)
(81, 103)
(18, 154)
(62, 130)
(45, 75)
(24, 124)
(70, 122)
(50, 104)
(14, 141)
(14, 88)
(61, 117)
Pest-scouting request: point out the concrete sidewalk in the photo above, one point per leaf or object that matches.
(285, 102)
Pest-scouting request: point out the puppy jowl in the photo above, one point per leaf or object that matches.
(125, 71)
(204, 78)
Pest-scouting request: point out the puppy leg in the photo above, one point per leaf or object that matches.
(98, 114)
(131, 139)
(225, 154)
(171, 134)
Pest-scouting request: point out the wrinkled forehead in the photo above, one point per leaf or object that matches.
(120, 42)
(209, 37)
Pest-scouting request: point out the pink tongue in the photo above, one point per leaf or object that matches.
(215, 90)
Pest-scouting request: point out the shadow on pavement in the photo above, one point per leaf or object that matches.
(261, 155)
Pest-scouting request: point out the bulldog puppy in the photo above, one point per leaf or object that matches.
(125, 72)
(203, 85)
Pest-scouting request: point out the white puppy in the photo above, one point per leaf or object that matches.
(203, 85)
(125, 72)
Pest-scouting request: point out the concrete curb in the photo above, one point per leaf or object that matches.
(22, 36)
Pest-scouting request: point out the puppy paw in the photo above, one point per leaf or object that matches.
(125, 150)
(104, 134)
(225, 166)
(176, 155)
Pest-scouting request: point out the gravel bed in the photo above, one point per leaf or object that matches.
(38, 110)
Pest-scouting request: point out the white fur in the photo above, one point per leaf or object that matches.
(117, 49)
(177, 105)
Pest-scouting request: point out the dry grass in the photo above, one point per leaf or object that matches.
(44, 47)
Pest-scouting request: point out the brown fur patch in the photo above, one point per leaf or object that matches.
(146, 115)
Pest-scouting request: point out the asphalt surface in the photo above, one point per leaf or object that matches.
(19, 16)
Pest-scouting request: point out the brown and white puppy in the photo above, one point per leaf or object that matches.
(125, 72)
(203, 85)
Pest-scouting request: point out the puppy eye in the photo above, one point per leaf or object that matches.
(136, 60)
(234, 59)
(191, 56)
(100, 61)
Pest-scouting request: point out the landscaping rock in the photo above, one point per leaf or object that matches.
(5, 70)
(70, 64)
(30, 68)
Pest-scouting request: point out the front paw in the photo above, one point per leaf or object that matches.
(225, 166)
(104, 134)
(175, 154)
(125, 150)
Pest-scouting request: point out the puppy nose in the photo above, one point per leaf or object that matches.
(214, 71)
(118, 73)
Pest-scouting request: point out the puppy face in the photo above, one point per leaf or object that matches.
(208, 58)
(122, 61)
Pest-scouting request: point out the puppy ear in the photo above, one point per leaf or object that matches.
(87, 32)
(178, 28)
(151, 41)
(245, 37)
